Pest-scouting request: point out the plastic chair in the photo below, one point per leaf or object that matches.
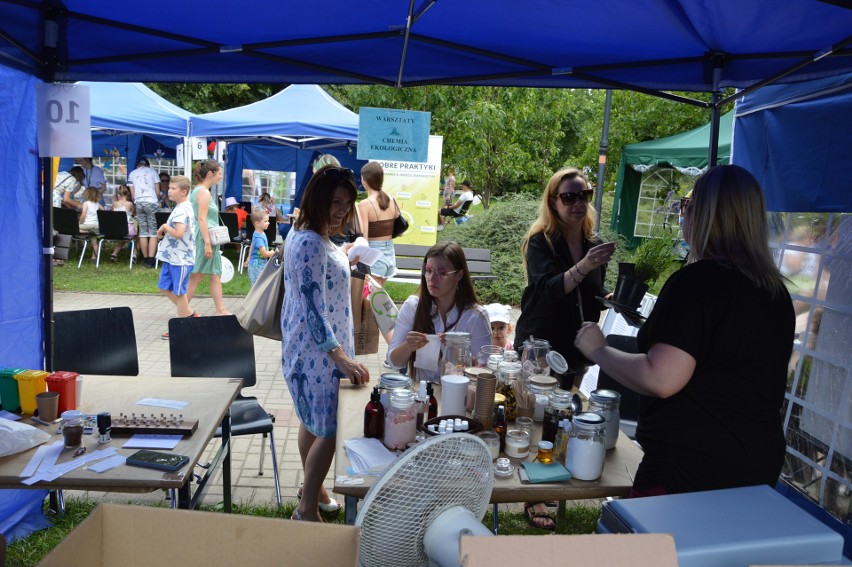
(112, 225)
(220, 347)
(95, 341)
(629, 406)
(65, 221)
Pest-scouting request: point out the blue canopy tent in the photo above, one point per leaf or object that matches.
(808, 171)
(280, 132)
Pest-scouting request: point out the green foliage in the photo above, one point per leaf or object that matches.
(653, 257)
(501, 229)
(200, 98)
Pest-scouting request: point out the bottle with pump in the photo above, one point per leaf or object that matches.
(422, 407)
(374, 416)
(499, 426)
(433, 403)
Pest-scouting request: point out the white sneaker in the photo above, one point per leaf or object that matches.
(439, 227)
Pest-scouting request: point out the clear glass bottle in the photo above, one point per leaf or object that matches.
(605, 403)
(558, 408)
(508, 373)
(586, 449)
(456, 353)
(400, 420)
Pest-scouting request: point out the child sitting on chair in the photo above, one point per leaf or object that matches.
(121, 202)
(89, 217)
(232, 206)
(177, 248)
(501, 325)
(260, 251)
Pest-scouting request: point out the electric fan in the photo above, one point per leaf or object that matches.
(435, 493)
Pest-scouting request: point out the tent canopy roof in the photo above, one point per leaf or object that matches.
(640, 44)
(687, 149)
(123, 108)
(302, 114)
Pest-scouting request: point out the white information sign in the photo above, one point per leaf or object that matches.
(199, 148)
(64, 120)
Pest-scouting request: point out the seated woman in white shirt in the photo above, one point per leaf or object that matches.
(446, 301)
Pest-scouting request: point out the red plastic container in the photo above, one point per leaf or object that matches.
(65, 383)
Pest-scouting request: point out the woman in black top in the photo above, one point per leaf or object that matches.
(712, 367)
(565, 265)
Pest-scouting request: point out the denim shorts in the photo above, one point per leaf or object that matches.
(385, 266)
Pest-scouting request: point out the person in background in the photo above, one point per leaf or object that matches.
(565, 264)
(377, 213)
(93, 176)
(446, 301)
(696, 348)
(500, 317)
(449, 188)
(163, 191)
(143, 182)
(267, 204)
(121, 202)
(455, 210)
(68, 183)
(318, 345)
(208, 260)
(89, 217)
(233, 206)
(260, 251)
(177, 248)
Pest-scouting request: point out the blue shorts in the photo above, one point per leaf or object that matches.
(174, 278)
(385, 266)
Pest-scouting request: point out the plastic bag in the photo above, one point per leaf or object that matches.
(16, 437)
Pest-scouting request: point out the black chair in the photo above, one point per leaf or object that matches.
(112, 225)
(66, 221)
(161, 218)
(463, 212)
(220, 347)
(629, 407)
(95, 341)
(230, 221)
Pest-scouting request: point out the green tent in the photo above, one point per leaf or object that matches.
(687, 152)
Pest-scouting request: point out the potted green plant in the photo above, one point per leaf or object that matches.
(650, 259)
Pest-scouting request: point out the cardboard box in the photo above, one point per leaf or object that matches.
(636, 550)
(141, 536)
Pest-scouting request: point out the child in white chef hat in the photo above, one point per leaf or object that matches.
(501, 325)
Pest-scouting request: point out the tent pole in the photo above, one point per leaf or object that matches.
(54, 28)
(715, 116)
(602, 156)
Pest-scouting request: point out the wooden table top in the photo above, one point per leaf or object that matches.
(209, 400)
(617, 478)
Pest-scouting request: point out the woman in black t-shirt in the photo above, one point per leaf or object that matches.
(713, 355)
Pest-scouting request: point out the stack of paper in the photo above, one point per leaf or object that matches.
(367, 454)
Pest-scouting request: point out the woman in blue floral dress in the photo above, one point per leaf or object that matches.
(318, 346)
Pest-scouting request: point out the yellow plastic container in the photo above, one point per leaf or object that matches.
(30, 383)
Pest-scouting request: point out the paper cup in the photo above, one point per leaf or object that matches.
(48, 405)
(79, 391)
(453, 394)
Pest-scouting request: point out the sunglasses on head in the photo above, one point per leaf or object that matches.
(570, 198)
(335, 173)
(685, 202)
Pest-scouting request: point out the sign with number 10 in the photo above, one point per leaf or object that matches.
(64, 120)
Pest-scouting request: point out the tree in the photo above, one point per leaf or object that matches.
(200, 98)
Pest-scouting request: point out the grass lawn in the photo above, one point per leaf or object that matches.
(580, 519)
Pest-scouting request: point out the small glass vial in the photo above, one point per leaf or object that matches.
(545, 452)
(517, 444)
(558, 408)
(586, 449)
(400, 420)
(605, 403)
(72, 428)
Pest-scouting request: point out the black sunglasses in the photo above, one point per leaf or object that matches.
(685, 202)
(570, 198)
(335, 173)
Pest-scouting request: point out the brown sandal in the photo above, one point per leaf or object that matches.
(537, 520)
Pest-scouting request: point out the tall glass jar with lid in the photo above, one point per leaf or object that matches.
(400, 420)
(558, 408)
(605, 403)
(508, 374)
(586, 449)
(457, 355)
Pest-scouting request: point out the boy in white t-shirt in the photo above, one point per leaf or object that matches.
(176, 250)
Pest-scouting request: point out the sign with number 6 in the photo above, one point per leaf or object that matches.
(64, 120)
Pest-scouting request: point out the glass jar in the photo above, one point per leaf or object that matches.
(400, 420)
(390, 381)
(517, 444)
(485, 354)
(586, 449)
(545, 452)
(605, 403)
(510, 356)
(558, 408)
(492, 441)
(456, 353)
(508, 373)
(534, 356)
(540, 386)
(72, 428)
(493, 362)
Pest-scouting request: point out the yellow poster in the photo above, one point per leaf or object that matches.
(417, 189)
